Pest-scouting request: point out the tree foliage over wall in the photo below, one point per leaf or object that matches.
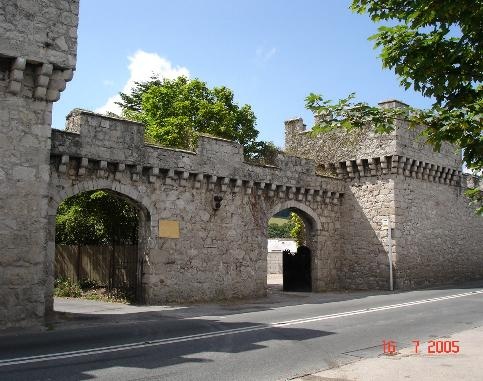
(435, 47)
(294, 228)
(298, 230)
(280, 230)
(176, 111)
(96, 217)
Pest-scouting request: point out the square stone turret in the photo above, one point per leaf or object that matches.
(38, 42)
(396, 181)
(341, 145)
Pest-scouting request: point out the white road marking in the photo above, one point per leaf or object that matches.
(208, 335)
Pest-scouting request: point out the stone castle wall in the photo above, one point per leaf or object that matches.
(437, 235)
(37, 55)
(364, 262)
(219, 253)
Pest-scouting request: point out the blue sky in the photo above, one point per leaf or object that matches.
(271, 53)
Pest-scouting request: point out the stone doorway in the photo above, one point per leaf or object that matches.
(291, 241)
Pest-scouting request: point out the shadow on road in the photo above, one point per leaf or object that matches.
(181, 350)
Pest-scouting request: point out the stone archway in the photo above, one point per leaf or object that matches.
(146, 228)
(313, 228)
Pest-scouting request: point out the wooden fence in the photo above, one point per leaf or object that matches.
(112, 266)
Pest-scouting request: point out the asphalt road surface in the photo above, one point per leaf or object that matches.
(280, 337)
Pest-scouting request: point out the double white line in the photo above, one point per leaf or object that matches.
(201, 336)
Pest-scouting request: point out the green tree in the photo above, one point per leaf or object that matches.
(434, 47)
(298, 230)
(96, 217)
(176, 111)
(280, 230)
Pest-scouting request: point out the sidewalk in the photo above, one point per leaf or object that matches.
(467, 365)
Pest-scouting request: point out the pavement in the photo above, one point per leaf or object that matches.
(406, 364)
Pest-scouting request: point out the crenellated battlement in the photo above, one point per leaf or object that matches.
(339, 145)
(93, 144)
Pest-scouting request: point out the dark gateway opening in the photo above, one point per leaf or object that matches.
(296, 270)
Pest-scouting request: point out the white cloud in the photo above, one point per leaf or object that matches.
(108, 82)
(264, 55)
(142, 67)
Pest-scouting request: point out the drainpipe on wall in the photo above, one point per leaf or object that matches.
(387, 224)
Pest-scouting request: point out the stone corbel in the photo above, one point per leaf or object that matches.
(394, 164)
(441, 176)
(225, 182)
(16, 75)
(272, 189)
(260, 188)
(414, 168)
(238, 185)
(335, 198)
(153, 174)
(198, 180)
(136, 173)
(170, 177)
(372, 166)
(419, 170)
(248, 187)
(310, 195)
(451, 177)
(432, 171)
(42, 78)
(57, 84)
(360, 167)
(400, 165)
(183, 180)
(281, 191)
(426, 169)
(64, 162)
(82, 166)
(384, 164)
(341, 172)
(446, 175)
(102, 171)
(301, 194)
(318, 195)
(291, 192)
(212, 182)
(121, 167)
(437, 174)
(350, 169)
(407, 167)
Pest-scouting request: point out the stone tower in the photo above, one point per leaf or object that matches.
(38, 42)
(397, 177)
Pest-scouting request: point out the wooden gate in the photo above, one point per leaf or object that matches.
(115, 267)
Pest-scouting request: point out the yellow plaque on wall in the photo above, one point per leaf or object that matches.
(168, 229)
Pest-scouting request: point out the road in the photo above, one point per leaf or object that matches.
(280, 337)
